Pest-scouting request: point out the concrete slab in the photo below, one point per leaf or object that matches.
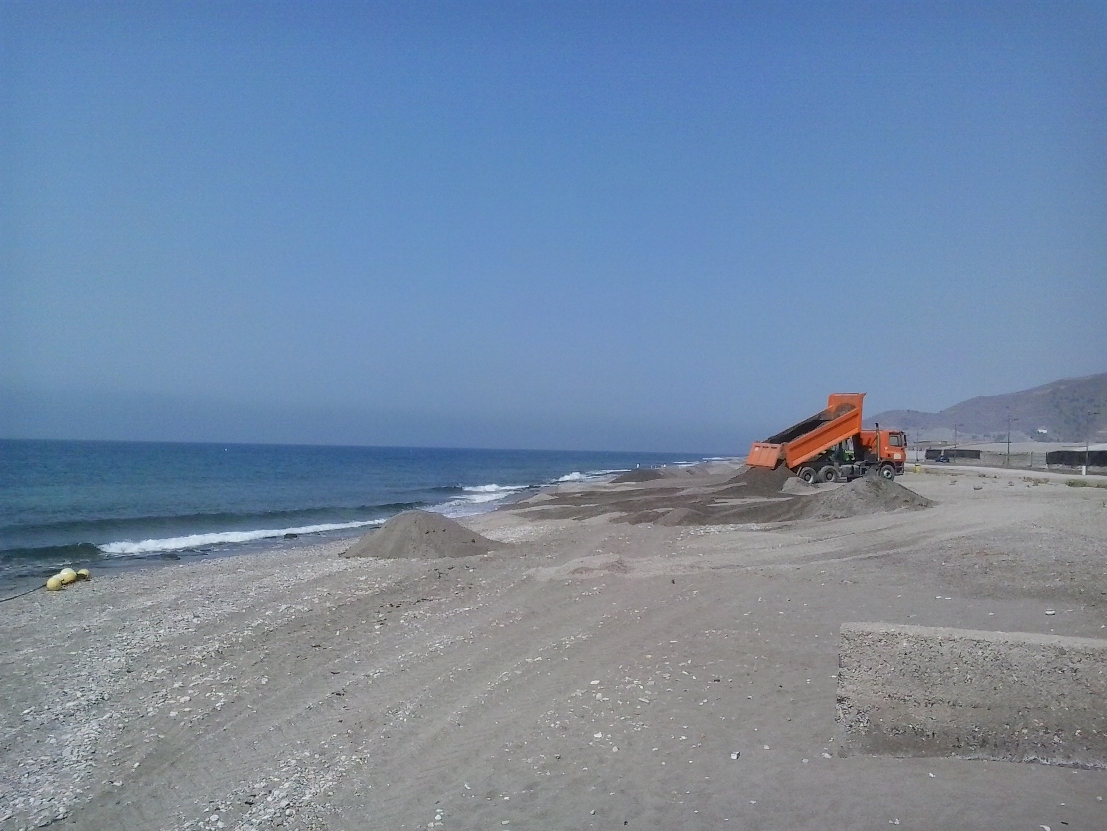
(1013, 696)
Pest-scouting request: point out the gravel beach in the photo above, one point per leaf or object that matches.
(638, 655)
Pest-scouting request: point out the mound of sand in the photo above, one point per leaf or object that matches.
(753, 495)
(645, 474)
(797, 487)
(870, 494)
(758, 481)
(682, 516)
(775, 496)
(421, 535)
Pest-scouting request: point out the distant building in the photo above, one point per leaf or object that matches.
(1077, 458)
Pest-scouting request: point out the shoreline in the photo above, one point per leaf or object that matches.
(79, 505)
(595, 665)
(118, 563)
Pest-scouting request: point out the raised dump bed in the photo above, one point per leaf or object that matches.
(1012, 696)
(840, 420)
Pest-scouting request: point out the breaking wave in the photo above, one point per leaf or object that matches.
(127, 547)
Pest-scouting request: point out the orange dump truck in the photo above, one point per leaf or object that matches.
(830, 446)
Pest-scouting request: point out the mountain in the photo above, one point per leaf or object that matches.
(1069, 410)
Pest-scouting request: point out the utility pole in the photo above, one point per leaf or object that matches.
(1087, 440)
(1009, 420)
(955, 426)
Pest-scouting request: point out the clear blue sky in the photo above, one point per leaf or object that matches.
(670, 226)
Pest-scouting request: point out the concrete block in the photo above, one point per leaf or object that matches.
(1013, 696)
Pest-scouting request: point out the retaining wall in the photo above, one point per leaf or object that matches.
(1014, 696)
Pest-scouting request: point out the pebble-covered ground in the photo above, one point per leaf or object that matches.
(593, 675)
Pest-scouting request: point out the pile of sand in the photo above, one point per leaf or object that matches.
(698, 472)
(678, 516)
(421, 535)
(645, 474)
(756, 482)
(870, 494)
(754, 495)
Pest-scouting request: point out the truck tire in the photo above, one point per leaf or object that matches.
(807, 474)
(888, 472)
(828, 474)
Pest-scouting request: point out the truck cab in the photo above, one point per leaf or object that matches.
(885, 449)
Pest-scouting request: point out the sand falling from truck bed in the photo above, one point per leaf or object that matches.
(755, 495)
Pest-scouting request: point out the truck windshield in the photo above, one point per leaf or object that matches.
(895, 440)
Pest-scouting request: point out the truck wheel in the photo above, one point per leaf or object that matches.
(828, 474)
(807, 474)
(888, 472)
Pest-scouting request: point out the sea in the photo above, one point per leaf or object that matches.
(104, 504)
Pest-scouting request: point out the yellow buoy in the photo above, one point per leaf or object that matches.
(84, 574)
(67, 575)
(54, 583)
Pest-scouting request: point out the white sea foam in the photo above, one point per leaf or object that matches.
(127, 547)
(575, 476)
(477, 499)
(481, 494)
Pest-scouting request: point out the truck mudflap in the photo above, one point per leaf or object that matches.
(764, 454)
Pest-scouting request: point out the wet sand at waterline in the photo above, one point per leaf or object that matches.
(648, 654)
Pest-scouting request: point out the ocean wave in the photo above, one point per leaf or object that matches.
(478, 499)
(589, 476)
(489, 493)
(129, 548)
(123, 525)
(494, 488)
(575, 476)
(479, 495)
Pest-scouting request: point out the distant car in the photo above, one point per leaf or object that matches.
(943, 459)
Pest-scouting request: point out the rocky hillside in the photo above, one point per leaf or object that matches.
(1063, 409)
